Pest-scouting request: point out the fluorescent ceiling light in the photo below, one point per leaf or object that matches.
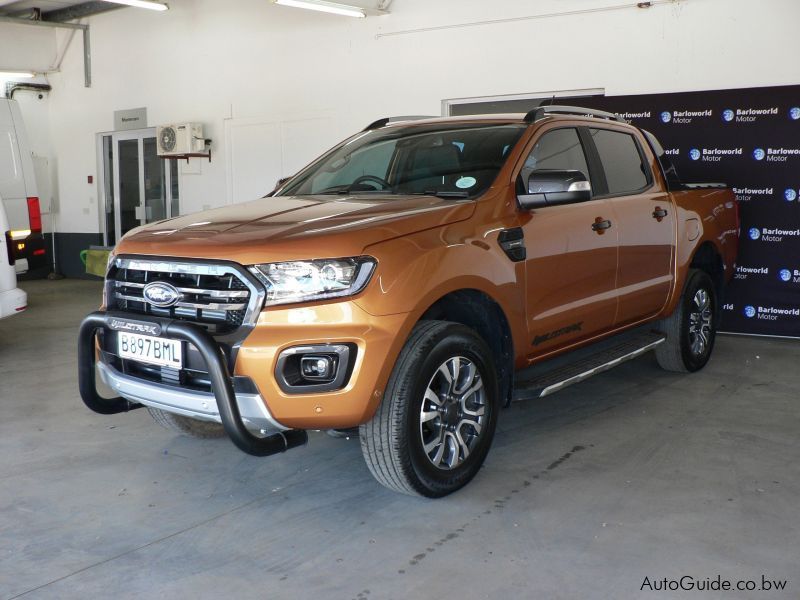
(328, 7)
(141, 4)
(15, 74)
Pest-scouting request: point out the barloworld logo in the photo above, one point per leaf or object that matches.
(748, 115)
(785, 275)
(759, 154)
(770, 313)
(635, 115)
(794, 113)
(772, 234)
(684, 117)
(746, 194)
(745, 272)
(790, 195)
(714, 154)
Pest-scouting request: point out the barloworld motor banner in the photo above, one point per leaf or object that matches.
(750, 140)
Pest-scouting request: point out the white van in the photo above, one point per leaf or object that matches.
(18, 190)
(12, 299)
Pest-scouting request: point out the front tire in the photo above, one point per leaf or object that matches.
(434, 427)
(691, 329)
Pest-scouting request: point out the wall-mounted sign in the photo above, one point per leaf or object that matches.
(133, 118)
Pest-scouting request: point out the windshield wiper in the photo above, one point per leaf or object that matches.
(443, 194)
(345, 190)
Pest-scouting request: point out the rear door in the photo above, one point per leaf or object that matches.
(572, 263)
(646, 219)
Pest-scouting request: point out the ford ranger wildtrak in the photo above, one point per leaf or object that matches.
(411, 282)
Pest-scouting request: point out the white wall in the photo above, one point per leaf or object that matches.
(230, 64)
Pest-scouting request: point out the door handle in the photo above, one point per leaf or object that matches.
(600, 225)
(659, 213)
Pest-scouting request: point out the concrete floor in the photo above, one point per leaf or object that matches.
(636, 473)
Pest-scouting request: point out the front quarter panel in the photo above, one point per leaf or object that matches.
(412, 273)
(417, 270)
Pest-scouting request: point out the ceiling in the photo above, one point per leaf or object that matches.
(53, 10)
(45, 5)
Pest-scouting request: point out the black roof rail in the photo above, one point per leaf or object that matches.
(386, 120)
(542, 111)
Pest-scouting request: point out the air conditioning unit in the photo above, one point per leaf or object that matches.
(179, 139)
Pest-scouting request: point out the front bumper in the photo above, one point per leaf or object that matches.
(189, 403)
(12, 302)
(227, 409)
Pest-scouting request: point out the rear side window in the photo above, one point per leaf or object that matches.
(622, 162)
(667, 166)
(559, 149)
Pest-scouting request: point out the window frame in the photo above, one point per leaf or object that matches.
(593, 174)
(595, 158)
(302, 175)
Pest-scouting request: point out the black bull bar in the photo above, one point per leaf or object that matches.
(217, 370)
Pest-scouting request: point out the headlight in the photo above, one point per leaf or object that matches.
(308, 280)
(109, 264)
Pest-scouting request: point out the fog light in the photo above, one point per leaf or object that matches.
(317, 368)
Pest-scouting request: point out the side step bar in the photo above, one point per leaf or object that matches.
(545, 381)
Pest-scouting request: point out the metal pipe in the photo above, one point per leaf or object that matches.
(87, 59)
(221, 385)
(51, 24)
(566, 13)
(61, 54)
(32, 87)
(86, 371)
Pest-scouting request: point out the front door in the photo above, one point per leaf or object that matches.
(572, 255)
(140, 187)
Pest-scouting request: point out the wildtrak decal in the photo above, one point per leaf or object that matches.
(546, 337)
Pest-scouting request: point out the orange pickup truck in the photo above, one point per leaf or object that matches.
(411, 282)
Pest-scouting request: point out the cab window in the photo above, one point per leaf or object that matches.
(559, 149)
(625, 171)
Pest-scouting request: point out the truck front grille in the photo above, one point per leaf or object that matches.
(220, 297)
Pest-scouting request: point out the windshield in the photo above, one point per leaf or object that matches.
(457, 160)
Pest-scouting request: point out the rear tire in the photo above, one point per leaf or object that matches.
(691, 329)
(433, 429)
(186, 425)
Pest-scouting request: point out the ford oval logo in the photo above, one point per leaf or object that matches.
(161, 294)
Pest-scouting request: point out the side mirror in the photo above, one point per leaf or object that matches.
(552, 188)
(280, 182)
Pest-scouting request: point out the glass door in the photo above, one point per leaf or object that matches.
(155, 191)
(127, 167)
(139, 186)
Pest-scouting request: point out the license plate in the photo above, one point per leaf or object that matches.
(147, 349)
